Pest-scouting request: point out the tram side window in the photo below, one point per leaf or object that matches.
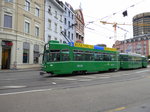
(144, 59)
(138, 59)
(106, 57)
(65, 55)
(89, 56)
(54, 55)
(123, 58)
(130, 58)
(78, 55)
(112, 57)
(98, 57)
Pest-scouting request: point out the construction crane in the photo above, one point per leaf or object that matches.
(115, 25)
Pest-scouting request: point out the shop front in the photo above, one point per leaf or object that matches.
(6, 54)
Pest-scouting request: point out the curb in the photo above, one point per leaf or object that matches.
(19, 70)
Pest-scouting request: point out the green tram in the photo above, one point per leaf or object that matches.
(78, 58)
(131, 61)
(82, 58)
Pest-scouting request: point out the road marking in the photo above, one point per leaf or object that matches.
(126, 74)
(53, 82)
(85, 80)
(7, 79)
(103, 77)
(23, 92)
(12, 87)
(66, 78)
(142, 71)
(117, 109)
(90, 77)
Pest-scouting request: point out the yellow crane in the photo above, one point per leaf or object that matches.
(115, 25)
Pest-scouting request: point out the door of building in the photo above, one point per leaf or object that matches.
(6, 58)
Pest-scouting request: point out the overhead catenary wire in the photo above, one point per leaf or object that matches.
(114, 13)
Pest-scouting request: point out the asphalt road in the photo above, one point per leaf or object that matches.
(125, 91)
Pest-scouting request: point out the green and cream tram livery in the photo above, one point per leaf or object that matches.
(82, 58)
(78, 58)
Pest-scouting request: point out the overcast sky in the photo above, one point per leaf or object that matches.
(110, 11)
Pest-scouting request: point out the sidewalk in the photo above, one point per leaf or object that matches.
(20, 70)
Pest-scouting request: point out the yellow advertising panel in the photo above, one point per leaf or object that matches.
(110, 49)
(83, 45)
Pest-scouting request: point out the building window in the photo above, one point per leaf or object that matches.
(56, 27)
(7, 21)
(60, 29)
(65, 21)
(49, 24)
(68, 24)
(69, 34)
(49, 37)
(26, 47)
(37, 12)
(36, 54)
(37, 31)
(25, 55)
(61, 18)
(49, 10)
(8, 0)
(27, 5)
(72, 36)
(27, 27)
(56, 14)
(65, 32)
(69, 13)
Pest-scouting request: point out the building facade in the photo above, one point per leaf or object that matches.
(21, 33)
(80, 26)
(141, 24)
(140, 43)
(69, 24)
(54, 20)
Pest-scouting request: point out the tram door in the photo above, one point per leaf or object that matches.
(6, 58)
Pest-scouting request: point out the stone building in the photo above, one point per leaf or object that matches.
(80, 26)
(138, 45)
(21, 33)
